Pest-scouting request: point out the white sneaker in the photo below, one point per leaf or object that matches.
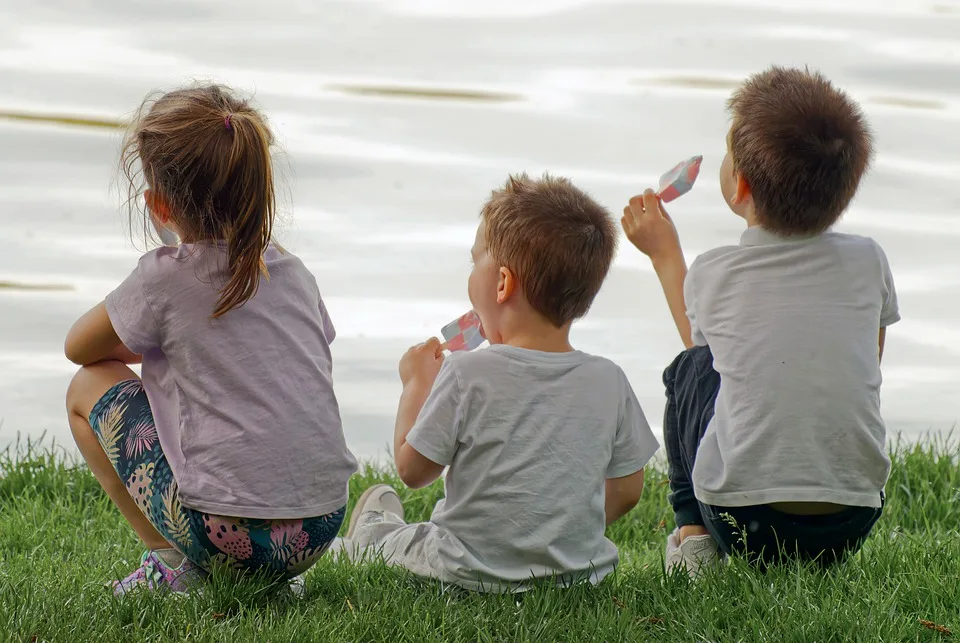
(371, 506)
(693, 554)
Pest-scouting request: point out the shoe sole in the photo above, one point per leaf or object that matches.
(358, 509)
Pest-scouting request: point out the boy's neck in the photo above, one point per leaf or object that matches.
(537, 335)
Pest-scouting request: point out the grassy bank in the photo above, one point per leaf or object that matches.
(60, 539)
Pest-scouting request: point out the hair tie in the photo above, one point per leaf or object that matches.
(226, 121)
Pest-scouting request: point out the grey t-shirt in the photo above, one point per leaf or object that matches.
(530, 439)
(793, 325)
(243, 405)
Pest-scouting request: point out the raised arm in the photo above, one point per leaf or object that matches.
(672, 271)
(649, 228)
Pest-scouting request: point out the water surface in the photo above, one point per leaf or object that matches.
(396, 120)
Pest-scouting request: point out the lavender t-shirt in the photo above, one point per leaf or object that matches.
(244, 404)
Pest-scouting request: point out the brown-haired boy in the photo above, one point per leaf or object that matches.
(545, 444)
(772, 428)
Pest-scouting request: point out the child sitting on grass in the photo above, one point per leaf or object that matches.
(230, 448)
(773, 432)
(545, 444)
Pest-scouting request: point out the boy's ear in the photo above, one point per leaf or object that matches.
(156, 204)
(743, 191)
(506, 285)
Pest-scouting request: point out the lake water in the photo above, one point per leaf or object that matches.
(397, 117)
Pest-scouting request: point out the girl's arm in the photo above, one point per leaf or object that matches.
(92, 339)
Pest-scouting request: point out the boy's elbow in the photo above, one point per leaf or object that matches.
(630, 499)
(631, 491)
(413, 481)
(413, 478)
(406, 476)
(414, 470)
(637, 490)
(409, 474)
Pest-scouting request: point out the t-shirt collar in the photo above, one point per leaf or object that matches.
(758, 236)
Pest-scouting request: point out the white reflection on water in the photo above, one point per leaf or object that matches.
(397, 118)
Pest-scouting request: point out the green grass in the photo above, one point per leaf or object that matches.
(60, 538)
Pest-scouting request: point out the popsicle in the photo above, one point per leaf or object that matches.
(463, 334)
(679, 179)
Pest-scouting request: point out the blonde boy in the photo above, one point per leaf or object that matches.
(544, 445)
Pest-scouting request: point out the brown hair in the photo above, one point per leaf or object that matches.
(802, 145)
(555, 238)
(206, 153)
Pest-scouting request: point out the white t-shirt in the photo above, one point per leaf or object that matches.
(530, 439)
(793, 325)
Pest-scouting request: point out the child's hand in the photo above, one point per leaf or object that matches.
(421, 363)
(649, 227)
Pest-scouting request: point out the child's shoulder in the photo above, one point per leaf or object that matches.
(165, 259)
(842, 242)
(210, 258)
(852, 241)
(481, 363)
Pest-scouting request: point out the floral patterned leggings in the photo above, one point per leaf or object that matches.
(124, 425)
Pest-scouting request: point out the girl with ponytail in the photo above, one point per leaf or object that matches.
(230, 448)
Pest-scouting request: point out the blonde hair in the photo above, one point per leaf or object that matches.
(555, 238)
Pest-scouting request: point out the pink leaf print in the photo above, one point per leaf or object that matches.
(287, 538)
(130, 387)
(229, 535)
(141, 438)
(140, 486)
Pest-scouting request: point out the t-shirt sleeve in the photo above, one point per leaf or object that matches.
(329, 331)
(690, 301)
(434, 434)
(132, 316)
(634, 444)
(890, 312)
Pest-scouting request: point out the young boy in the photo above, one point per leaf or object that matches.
(545, 444)
(773, 413)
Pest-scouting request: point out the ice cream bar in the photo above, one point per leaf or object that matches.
(680, 179)
(463, 333)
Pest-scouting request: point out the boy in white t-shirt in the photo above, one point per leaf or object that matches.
(545, 444)
(773, 413)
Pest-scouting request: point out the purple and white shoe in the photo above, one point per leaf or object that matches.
(153, 574)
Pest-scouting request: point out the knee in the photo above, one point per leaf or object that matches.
(75, 391)
(90, 383)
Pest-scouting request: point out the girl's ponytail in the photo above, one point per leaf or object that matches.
(206, 155)
(251, 198)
